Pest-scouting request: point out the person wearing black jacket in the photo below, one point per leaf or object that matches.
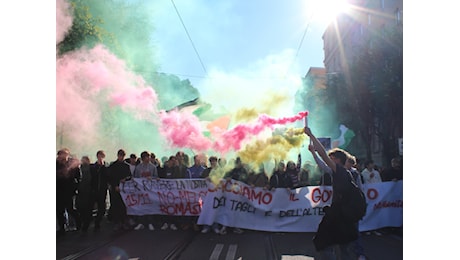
(170, 170)
(67, 178)
(393, 173)
(99, 185)
(335, 231)
(239, 172)
(280, 179)
(83, 200)
(118, 172)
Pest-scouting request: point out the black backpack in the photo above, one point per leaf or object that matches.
(354, 203)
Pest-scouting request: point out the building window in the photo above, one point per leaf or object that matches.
(382, 4)
(398, 16)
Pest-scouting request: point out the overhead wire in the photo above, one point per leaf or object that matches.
(203, 77)
(301, 42)
(201, 61)
(190, 38)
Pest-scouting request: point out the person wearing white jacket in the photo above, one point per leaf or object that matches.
(370, 174)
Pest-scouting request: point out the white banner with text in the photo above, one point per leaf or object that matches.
(235, 204)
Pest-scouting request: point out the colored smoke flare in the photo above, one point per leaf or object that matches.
(233, 138)
(183, 130)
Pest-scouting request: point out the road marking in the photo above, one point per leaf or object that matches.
(296, 257)
(216, 252)
(231, 252)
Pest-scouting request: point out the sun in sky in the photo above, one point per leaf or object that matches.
(325, 11)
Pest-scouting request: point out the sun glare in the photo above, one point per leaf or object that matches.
(325, 11)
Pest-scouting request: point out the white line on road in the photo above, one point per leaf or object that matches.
(231, 252)
(296, 257)
(216, 252)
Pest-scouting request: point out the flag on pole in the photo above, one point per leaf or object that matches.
(213, 123)
(190, 103)
(299, 162)
(346, 135)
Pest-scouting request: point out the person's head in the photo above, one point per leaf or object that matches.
(100, 155)
(121, 154)
(186, 160)
(281, 166)
(202, 158)
(396, 162)
(145, 157)
(85, 160)
(213, 161)
(369, 164)
(132, 159)
(172, 161)
(182, 158)
(238, 162)
(351, 162)
(338, 155)
(196, 160)
(164, 159)
(63, 154)
(222, 162)
(291, 165)
(180, 155)
(153, 158)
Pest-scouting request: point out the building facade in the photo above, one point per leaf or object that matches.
(363, 65)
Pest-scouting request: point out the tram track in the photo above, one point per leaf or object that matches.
(271, 251)
(172, 245)
(173, 254)
(97, 245)
(180, 247)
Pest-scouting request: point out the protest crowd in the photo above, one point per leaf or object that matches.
(88, 192)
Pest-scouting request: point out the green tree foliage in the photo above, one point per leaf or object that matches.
(125, 28)
(388, 92)
(85, 30)
(129, 26)
(371, 103)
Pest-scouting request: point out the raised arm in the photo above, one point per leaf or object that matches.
(318, 161)
(320, 149)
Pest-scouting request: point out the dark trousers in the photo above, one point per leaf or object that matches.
(86, 209)
(86, 215)
(358, 248)
(117, 208)
(170, 219)
(100, 200)
(63, 203)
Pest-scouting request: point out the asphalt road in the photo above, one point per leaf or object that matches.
(190, 245)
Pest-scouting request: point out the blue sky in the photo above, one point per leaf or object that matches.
(243, 45)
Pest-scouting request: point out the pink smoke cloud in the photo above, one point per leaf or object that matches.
(233, 138)
(143, 100)
(87, 80)
(183, 130)
(64, 19)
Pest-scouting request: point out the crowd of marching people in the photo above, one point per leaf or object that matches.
(88, 192)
